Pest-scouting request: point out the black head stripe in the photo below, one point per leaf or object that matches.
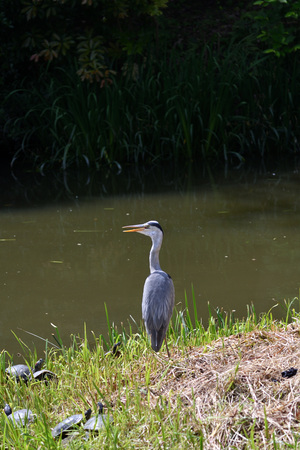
(156, 224)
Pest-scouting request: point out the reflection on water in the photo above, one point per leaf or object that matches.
(236, 242)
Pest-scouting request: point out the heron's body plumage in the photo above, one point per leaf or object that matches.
(157, 306)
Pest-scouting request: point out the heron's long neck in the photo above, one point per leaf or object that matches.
(154, 256)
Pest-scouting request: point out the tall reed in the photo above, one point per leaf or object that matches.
(219, 104)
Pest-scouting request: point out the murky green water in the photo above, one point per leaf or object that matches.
(237, 242)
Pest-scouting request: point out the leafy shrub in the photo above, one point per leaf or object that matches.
(93, 32)
(278, 21)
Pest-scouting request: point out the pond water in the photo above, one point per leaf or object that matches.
(235, 239)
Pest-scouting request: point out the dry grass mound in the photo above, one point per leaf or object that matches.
(235, 391)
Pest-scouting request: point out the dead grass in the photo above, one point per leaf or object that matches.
(234, 391)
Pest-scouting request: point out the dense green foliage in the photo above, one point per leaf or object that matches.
(98, 83)
(279, 22)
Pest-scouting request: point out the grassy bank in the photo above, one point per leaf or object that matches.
(222, 387)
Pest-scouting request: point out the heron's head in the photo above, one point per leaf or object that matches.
(151, 229)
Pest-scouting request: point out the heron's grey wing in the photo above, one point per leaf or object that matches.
(157, 306)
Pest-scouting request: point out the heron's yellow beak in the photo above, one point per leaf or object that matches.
(133, 228)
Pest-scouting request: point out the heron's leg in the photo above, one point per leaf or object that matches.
(167, 348)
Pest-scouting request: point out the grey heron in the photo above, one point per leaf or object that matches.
(159, 293)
